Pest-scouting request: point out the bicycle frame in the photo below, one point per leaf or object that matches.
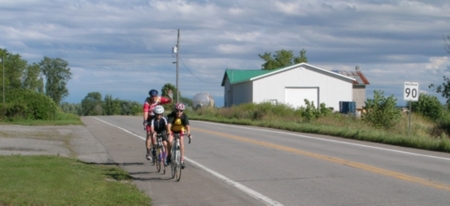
(176, 157)
(160, 154)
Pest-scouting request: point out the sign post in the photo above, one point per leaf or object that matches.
(411, 94)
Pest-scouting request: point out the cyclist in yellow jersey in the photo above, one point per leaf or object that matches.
(178, 122)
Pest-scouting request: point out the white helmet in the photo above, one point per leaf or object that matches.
(158, 109)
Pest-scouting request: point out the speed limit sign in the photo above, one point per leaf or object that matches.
(411, 91)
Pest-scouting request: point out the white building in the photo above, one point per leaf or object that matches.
(289, 85)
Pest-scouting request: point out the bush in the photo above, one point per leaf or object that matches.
(381, 112)
(428, 106)
(28, 105)
(444, 122)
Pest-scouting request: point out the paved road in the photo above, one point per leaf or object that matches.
(239, 165)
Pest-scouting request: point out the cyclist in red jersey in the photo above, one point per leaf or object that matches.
(150, 103)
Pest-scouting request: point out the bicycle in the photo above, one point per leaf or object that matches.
(160, 154)
(175, 164)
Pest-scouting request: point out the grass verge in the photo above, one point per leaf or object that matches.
(53, 180)
(61, 119)
(423, 134)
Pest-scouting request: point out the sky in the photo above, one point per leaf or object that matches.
(124, 48)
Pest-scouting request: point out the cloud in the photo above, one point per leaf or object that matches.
(125, 47)
(438, 65)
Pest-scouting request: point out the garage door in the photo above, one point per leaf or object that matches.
(295, 96)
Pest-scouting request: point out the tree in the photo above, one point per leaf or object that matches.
(112, 106)
(170, 87)
(282, 58)
(14, 67)
(71, 108)
(57, 74)
(130, 108)
(301, 58)
(32, 80)
(92, 104)
(444, 89)
(187, 101)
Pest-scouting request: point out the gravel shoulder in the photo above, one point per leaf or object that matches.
(74, 141)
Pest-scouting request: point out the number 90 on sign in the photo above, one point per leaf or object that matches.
(411, 91)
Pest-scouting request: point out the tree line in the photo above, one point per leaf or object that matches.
(94, 104)
(49, 76)
(32, 91)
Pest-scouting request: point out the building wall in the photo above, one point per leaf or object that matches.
(227, 91)
(359, 95)
(241, 93)
(332, 89)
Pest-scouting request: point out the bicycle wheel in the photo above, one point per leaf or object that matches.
(173, 164)
(178, 166)
(163, 160)
(158, 159)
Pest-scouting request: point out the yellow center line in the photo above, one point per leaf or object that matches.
(333, 159)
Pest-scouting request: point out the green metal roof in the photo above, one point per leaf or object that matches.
(235, 75)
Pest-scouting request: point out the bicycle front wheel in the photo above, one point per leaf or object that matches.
(173, 164)
(178, 166)
(158, 160)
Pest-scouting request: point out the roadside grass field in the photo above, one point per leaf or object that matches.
(61, 119)
(424, 133)
(54, 180)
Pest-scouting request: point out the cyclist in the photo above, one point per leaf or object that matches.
(150, 103)
(159, 125)
(178, 123)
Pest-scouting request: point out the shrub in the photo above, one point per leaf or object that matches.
(444, 122)
(310, 112)
(428, 106)
(28, 105)
(381, 111)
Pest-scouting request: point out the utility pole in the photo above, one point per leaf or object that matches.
(178, 51)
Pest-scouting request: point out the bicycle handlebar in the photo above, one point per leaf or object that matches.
(177, 135)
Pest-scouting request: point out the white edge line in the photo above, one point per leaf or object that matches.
(328, 140)
(143, 138)
(241, 187)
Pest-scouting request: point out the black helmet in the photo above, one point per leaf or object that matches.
(153, 93)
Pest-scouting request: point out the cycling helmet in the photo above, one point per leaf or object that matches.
(153, 93)
(158, 109)
(179, 106)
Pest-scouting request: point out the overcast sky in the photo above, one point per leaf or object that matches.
(124, 48)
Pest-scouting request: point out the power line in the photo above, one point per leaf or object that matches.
(194, 74)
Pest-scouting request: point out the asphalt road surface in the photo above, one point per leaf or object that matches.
(243, 165)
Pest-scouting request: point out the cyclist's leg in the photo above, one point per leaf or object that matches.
(169, 146)
(164, 142)
(151, 140)
(148, 142)
(154, 147)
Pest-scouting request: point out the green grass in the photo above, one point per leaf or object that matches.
(53, 180)
(61, 119)
(424, 134)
